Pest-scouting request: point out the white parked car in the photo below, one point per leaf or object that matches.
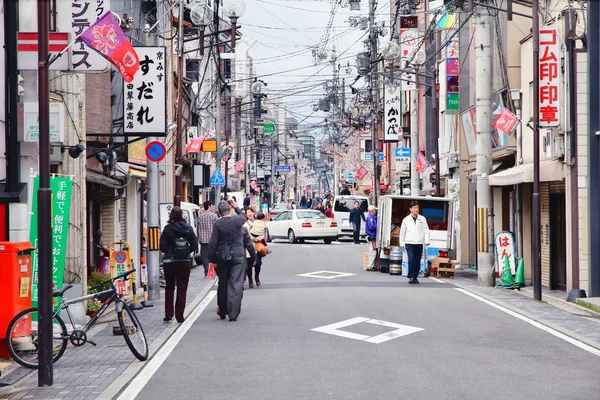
(301, 225)
(341, 213)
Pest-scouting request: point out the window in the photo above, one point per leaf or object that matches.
(310, 214)
(283, 216)
(347, 204)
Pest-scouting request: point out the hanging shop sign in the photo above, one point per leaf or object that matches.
(452, 74)
(549, 77)
(392, 130)
(61, 211)
(31, 123)
(145, 105)
(506, 121)
(75, 17)
(409, 45)
(505, 246)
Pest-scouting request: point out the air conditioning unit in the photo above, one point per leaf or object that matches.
(553, 143)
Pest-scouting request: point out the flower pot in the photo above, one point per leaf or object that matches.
(92, 313)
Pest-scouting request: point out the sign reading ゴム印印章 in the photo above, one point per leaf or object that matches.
(549, 77)
(145, 110)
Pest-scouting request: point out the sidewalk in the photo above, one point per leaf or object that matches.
(553, 311)
(90, 372)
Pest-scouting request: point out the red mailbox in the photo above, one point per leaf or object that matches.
(15, 284)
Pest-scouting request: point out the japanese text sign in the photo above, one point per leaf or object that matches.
(61, 211)
(392, 118)
(452, 78)
(145, 109)
(421, 162)
(506, 121)
(549, 77)
(505, 246)
(361, 173)
(409, 45)
(75, 16)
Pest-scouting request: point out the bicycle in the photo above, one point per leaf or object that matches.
(22, 334)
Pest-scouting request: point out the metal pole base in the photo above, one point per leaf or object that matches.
(147, 304)
(575, 294)
(136, 306)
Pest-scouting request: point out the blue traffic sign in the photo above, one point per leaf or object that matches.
(283, 168)
(217, 178)
(156, 151)
(350, 176)
(369, 157)
(402, 152)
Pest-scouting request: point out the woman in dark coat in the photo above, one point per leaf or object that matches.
(177, 269)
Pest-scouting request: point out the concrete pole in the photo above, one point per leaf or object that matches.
(374, 99)
(414, 141)
(483, 104)
(153, 261)
(218, 135)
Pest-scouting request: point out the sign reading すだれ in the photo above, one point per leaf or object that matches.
(145, 109)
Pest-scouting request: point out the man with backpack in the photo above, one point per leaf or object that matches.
(177, 242)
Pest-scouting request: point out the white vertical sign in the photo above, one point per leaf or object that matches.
(549, 77)
(75, 16)
(409, 44)
(145, 98)
(392, 120)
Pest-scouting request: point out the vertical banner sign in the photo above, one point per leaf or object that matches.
(75, 16)
(452, 73)
(61, 211)
(549, 77)
(392, 118)
(505, 246)
(145, 102)
(421, 162)
(409, 45)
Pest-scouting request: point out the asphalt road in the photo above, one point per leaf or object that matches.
(407, 342)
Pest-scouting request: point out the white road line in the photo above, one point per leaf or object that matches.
(538, 325)
(136, 386)
(436, 279)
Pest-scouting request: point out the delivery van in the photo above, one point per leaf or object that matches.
(439, 212)
(191, 212)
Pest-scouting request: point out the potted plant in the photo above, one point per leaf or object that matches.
(93, 307)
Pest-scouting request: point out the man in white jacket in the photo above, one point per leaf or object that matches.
(413, 233)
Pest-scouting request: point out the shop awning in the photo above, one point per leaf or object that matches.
(101, 179)
(550, 170)
(135, 171)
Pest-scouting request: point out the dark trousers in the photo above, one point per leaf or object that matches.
(204, 256)
(356, 231)
(177, 273)
(414, 251)
(231, 286)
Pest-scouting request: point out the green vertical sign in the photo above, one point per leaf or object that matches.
(269, 128)
(61, 211)
(453, 101)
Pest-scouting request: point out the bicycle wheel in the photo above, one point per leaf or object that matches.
(22, 338)
(133, 333)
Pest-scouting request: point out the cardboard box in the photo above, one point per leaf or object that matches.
(435, 263)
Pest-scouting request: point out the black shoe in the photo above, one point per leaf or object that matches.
(232, 319)
(167, 319)
(415, 280)
(411, 280)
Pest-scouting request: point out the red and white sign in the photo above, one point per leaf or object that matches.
(549, 75)
(27, 50)
(421, 162)
(361, 173)
(505, 246)
(239, 166)
(195, 145)
(506, 121)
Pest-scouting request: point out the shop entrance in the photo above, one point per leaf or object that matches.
(558, 254)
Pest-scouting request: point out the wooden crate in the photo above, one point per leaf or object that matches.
(445, 270)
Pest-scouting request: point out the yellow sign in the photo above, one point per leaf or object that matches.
(120, 262)
(154, 238)
(209, 146)
(24, 292)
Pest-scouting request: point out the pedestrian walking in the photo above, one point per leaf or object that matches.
(371, 231)
(247, 201)
(206, 221)
(249, 261)
(355, 217)
(257, 234)
(177, 242)
(226, 249)
(414, 231)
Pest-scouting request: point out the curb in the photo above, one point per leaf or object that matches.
(117, 386)
(535, 318)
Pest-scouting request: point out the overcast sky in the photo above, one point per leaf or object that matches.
(286, 32)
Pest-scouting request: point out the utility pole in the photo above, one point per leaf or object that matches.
(178, 142)
(483, 103)
(414, 140)
(536, 217)
(594, 147)
(227, 134)
(45, 345)
(374, 98)
(435, 103)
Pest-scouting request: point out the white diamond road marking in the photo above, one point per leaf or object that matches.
(331, 274)
(399, 330)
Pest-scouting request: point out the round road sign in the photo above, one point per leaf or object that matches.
(155, 151)
(120, 257)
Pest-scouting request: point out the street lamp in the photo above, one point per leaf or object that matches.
(201, 18)
(233, 9)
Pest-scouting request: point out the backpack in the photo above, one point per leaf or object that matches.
(182, 250)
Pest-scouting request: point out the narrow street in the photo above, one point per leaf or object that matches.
(445, 344)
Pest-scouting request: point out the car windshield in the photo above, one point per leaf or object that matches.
(345, 205)
(310, 214)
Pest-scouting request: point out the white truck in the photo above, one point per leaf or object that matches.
(438, 211)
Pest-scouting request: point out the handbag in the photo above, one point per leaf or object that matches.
(223, 254)
(261, 249)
